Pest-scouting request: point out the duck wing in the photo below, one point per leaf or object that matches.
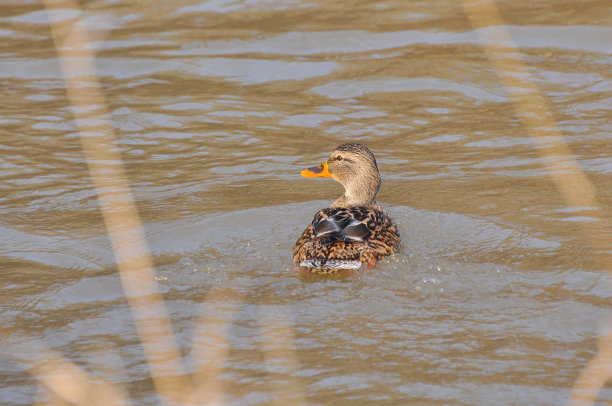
(342, 224)
(346, 237)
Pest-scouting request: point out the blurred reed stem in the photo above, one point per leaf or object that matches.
(121, 218)
(558, 160)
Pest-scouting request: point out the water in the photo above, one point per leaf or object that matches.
(497, 297)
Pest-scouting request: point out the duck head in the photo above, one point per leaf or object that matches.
(354, 166)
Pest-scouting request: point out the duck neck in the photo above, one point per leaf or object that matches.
(359, 193)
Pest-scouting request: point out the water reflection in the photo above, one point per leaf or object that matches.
(496, 296)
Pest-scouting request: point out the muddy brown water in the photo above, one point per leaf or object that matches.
(217, 105)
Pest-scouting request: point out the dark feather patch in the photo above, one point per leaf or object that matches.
(364, 234)
(355, 231)
(340, 227)
(326, 227)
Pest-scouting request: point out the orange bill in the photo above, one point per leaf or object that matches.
(317, 171)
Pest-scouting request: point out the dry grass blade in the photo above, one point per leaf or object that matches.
(558, 158)
(278, 344)
(211, 346)
(116, 202)
(70, 383)
(595, 375)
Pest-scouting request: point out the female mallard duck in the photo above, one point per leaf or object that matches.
(354, 230)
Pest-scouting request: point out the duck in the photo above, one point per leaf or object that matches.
(354, 230)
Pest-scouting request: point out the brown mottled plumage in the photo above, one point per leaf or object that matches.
(354, 230)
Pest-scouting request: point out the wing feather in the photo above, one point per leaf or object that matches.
(363, 234)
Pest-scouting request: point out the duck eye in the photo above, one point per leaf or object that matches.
(339, 158)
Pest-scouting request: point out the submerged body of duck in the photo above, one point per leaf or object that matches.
(354, 230)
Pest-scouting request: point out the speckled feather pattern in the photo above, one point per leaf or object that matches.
(383, 239)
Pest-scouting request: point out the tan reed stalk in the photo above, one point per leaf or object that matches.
(211, 347)
(117, 204)
(559, 162)
(278, 344)
(71, 383)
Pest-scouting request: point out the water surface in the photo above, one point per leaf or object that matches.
(496, 297)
